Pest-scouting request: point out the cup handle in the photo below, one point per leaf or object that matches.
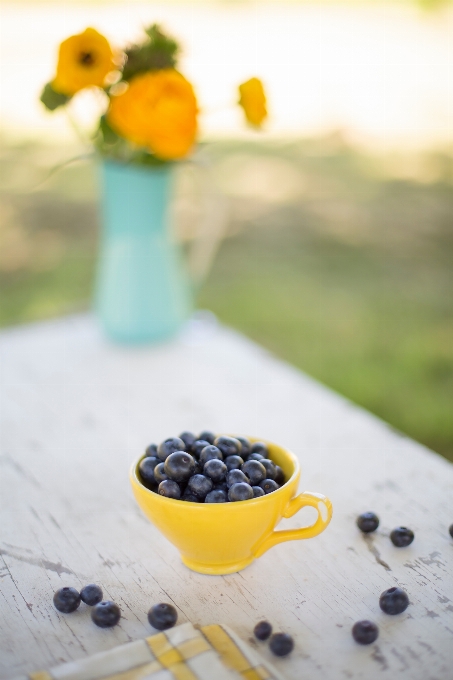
(315, 500)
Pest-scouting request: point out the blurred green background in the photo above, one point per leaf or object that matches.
(337, 260)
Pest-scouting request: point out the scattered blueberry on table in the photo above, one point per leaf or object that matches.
(205, 468)
(91, 594)
(365, 632)
(394, 601)
(106, 614)
(367, 522)
(281, 644)
(66, 600)
(162, 616)
(401, 537)
(262, 630)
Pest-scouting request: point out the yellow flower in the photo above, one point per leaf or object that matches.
(157, 111)
(83, 60)
(253, 101)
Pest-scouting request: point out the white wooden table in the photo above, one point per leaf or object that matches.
(75, 413)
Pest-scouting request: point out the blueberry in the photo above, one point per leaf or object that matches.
(189, 440)
(198, 447)
(162, 616)
(216, 496)
(215, 470)
(91, 594)
(233, 462)
(394, 601)
(179, 466)
(190, 497)
(279, 475)
(402, 537)
(159, 473)
(240, 492)
(210, 452)
(257, 491)
(222, 486)
(169, 489)
(146, 469)
(269, 466)
(170, 446)
(235, 477)
(151, 450)
(106, 614)
(365, 632)
(281, 644)
(245, 446)
(260, 447)
(450, 529)
(228, 446)
(255, 456)
(200, 485)
(268, 486)
(66, 600)
(367, 522)
(262, 630)
(254, 471)
(207, 436)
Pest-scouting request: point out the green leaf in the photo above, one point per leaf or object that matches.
(157, 52)
(52, 99)
(109, 136)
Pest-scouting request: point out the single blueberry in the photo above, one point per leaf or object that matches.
(257, 491)
(170, 489)
(151, 450)
(233, 462)
(365, 632)
(170, 446)
(207, 436)
(260, 447)
(159, 473)
(240, 492)
(66, 600)
(269, 485)
(210, 452)
(106, 614)
(262, 630)
(162, 616)
(198, 447)
(367, 522)
(235, 477)
(254, 471)
(91, 594)
(200, 485)
(394, 601)
(270, 468)
(189, 440)
(245, 446)
(190, 497)
(216, 496)
(255, 456)
(216, 470)
(179, 466)
(450, 530)
(229, 446)
(402, 537)
(279, 475)
(146, 469)
(281, 644)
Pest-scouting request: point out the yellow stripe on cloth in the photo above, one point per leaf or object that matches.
(137, 673)
(182, 672)
(224, 645)
(258, 673)
(192, 648)
(40, 675)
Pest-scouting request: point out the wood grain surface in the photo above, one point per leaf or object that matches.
(75, 411)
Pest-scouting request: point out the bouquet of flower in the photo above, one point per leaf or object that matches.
(151, 109)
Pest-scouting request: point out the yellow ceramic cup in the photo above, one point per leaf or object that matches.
(221, 538)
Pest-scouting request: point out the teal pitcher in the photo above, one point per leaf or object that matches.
(143, 289)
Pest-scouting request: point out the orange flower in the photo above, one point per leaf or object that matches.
(253, 101)
(83, 60)
(157, 111)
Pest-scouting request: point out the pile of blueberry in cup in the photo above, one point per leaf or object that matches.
(210, 469)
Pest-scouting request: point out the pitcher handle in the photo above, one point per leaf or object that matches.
(315, 500)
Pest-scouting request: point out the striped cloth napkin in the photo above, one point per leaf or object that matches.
(181, 653)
